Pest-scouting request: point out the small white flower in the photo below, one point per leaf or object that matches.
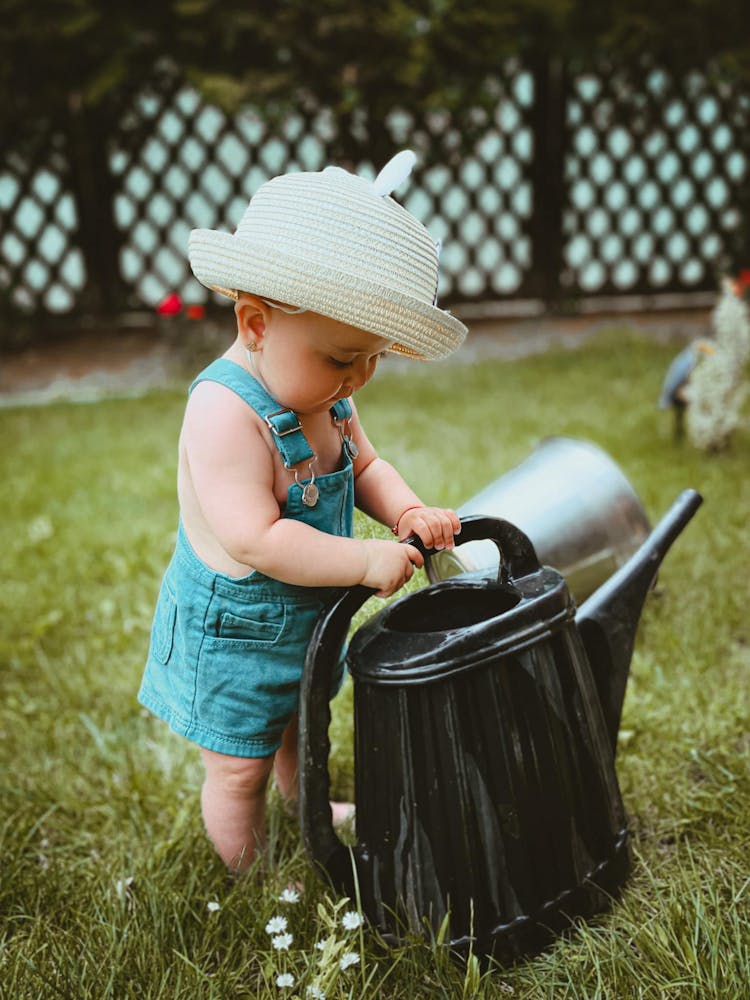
(285, 980)
(40, 529)
(315, 993)
(122, 885)
(282, 941)
(352, 920)
(276, 925)
(347, 959)
(289, 896)
(213, 906)
(320, 945)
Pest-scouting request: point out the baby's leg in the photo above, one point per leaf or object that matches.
(234, 806)
(285, 773)
(285, 764)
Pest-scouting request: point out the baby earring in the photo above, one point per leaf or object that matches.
(250, 349)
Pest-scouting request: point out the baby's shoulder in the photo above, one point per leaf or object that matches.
(212, 394)
(212, 405)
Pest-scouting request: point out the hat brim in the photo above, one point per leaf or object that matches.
(419, 329)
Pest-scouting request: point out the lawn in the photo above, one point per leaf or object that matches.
(108, 887)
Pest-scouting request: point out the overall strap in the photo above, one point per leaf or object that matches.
(283, 424)
(341, 409)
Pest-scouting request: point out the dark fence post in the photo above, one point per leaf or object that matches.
(739, 241)
(547, 177)
(98, 237)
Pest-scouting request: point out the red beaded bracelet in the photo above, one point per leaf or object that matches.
(416, 506)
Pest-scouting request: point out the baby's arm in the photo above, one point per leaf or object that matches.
(381, 492)
(231, 470)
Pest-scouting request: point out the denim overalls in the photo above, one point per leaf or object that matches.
(226, 653)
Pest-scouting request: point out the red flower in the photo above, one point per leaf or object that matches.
(170, 306)
(742, 282)
(195, 312)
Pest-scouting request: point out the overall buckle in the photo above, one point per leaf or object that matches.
(288, 430)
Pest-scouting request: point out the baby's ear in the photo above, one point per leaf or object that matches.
(251, 318)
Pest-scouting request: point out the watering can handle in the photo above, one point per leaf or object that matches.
(518, 558)
(517, 554)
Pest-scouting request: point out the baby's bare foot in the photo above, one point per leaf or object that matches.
(342, 813)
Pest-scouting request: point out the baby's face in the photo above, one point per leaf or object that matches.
(309, 361)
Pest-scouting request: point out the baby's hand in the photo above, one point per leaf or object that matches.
(434, 525)
(389, 565)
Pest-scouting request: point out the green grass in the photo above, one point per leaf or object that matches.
(94, 792)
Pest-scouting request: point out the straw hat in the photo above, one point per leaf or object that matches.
(339, 245)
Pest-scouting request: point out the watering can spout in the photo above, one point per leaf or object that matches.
(608, 620)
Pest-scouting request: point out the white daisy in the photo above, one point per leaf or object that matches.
(282, 941)
(289, 895)
(352, 920)
(285, 980)
(276, 925)
(315, 993)
(212, 906)
(347, 959)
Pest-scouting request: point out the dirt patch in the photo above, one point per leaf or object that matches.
(94, 364)
(91, 365)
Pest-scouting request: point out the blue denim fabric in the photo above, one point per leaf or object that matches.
(226, 654)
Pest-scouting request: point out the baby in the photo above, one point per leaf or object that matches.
(328, 274)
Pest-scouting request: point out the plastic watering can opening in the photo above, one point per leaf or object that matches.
(441, 610)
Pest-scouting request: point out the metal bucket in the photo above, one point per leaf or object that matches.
(573, 501)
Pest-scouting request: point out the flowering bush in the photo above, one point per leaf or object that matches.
(717, 390)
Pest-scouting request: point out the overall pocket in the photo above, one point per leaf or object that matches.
(261, 628)
(250, 665)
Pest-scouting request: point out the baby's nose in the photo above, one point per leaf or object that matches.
(360, 372)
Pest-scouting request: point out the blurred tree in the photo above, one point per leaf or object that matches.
(361, 60)
(69, 68)
(82, 59)
(681, 35)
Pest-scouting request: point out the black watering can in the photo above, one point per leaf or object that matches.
(486, 720)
